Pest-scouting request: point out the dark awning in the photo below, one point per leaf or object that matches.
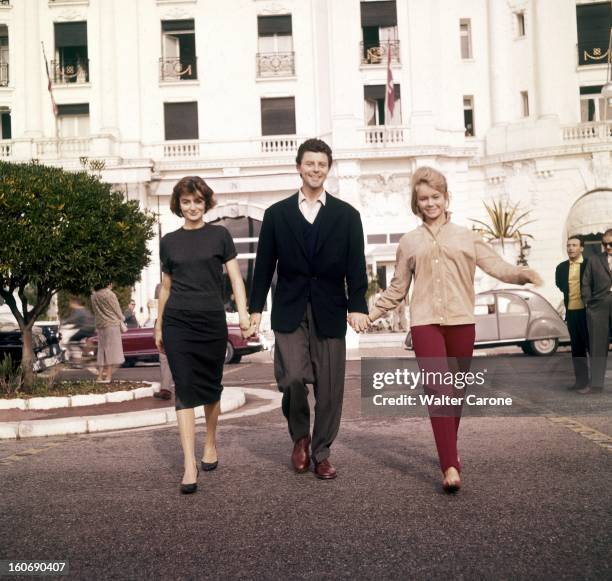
(278, 116)
(73, 109)
(181, 120)
(270, 25)
(377, 92)
(382, 14)
(70, 34)
(174, 25)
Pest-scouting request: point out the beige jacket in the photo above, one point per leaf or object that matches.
(106, 308)
(443, 268)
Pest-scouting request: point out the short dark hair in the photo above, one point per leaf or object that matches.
(576, 238)
(191, 185)
(316, 146)
(608, 232)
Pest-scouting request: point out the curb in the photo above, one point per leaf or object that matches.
(232, 398)
(71, 401)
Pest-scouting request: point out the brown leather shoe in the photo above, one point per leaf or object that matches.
(300, 458)
(163, 394)
(324, 470)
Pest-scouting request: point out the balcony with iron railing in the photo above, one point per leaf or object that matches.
(4, 74)
(178, 69)
(593, 53)
(275, 64)
(5, 3)
(378, 53)
(5, 148)
(67, 72)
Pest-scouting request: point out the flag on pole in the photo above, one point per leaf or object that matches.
(390, 92)
(49, 84)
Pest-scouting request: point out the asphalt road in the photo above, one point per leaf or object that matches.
(536, 501)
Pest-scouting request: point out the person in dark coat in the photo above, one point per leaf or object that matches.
(314, 241)
(568, 278)
(597, 296)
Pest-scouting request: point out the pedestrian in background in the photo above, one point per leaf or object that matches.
(442, 258)
(109, 326)
(568, 278)
(130, 316)
(597, 296)
(191, 327)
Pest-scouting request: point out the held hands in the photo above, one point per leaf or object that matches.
(359, 321)
(159, 343)
(246, 325)
(255, 322)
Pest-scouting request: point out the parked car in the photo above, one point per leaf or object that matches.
(139, 345)
(45, 344)
(517, 317)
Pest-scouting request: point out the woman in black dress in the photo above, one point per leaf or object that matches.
(191, 327)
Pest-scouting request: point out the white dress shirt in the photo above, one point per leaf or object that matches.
(311, 209)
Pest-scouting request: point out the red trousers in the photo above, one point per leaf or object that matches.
(432, 345)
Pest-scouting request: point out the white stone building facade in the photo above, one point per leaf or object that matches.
(501, 95)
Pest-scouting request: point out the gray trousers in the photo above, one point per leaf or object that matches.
(302, 357)
(599, 319)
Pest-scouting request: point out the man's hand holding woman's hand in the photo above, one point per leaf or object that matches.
(359, 321)
(246, 325)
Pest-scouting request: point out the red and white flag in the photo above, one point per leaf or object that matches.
(49, 84)
(390, 92)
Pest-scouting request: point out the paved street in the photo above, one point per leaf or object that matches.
(536, 502)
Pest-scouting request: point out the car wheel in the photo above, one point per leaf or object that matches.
(129, 363)
(230, 353)
(236, 359)
(543, 347)
(526, 347)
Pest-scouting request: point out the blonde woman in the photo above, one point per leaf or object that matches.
(441, 257)
(191, 327)
(109, 326)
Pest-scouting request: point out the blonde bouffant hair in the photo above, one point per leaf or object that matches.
(430, 177)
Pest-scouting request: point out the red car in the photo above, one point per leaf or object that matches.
(139, 345)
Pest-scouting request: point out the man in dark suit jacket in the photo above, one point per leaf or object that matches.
(568, 278)
(315, 243)
(597, 296)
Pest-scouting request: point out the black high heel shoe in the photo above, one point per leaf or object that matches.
(208, 466)
(190, 488)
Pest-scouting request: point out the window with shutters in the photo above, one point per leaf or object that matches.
(275, 56)
(465, 36)
(73, 120)
(181, 121)
(468, 115)
(593, 22)
(71, 63)
(593, 105)
(4, 56)
(379, 32)
(278, 116)
(376, 110)
(178, 61)
(525, 103)
(5, 123)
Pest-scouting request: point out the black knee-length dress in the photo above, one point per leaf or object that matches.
(194, 328)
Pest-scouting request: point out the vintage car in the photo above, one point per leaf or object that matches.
(517, 317)
(139, 345)
(45, 343)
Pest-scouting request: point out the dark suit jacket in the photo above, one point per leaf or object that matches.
(337, 268)
(597, 280)
(562, 276)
